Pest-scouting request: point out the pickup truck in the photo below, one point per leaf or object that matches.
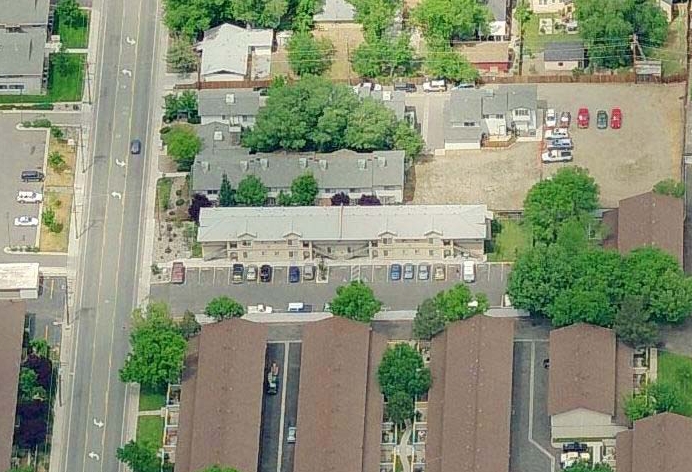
(273, 379)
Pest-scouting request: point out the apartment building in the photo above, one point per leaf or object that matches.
(344, 233)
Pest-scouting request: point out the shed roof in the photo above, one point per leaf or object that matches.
(229, 102)
(659, 443)
(12, 329)
(221, 398)
(226, 48)
(469, 403)
(337, 376)
(560, 51)
(344, 223)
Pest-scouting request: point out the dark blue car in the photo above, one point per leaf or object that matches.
(395, 272)
(293, 274)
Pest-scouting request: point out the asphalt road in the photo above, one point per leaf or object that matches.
(105, 287)
(271, 411)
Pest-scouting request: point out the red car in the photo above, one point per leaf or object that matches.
(583, 118)
(615, 118)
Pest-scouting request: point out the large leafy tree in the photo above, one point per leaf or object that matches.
(656, 277)
(198, 202)
(408, 140)
(224, 307)
(355, 301)
(181, 56)
(570, 193)
(304, 190)
(191, 17)
(633, 324)
(308, 55)
(443, 20)
(384, 57)
(68, 12)
(657, 397)
(188, 325)
(251, 192)
(400, 407)
(371, 127)
(158, 349)
(585, 466)
(671, 187)
(182, 144)
(29, 388)
(445, 63)
(451, 305)
(402, 370)
(139, 457)
(259, 13)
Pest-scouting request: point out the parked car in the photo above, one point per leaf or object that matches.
(615, 118)
(602, 119)
(136, 146)
(550, 118)
(464, 85)
(265, 273)
(556, 155)
(237, 274)
(251, 274)
(178, 273)
(291, 436)
(395, 272)
(560, 143)
(309, 272)
(435, 86)
(29, 197)
(293, 274)
(32, 176)
(423, 271)
(565, 119)
(25, 221)
(409, 271)
(468, 271)
(556, 133)
(405, 87)
(327, 307)
(439, 272)
(583, 118)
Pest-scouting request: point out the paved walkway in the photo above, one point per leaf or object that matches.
(150, 413)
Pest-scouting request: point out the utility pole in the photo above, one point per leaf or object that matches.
(88, 79)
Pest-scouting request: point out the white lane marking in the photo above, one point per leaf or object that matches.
(283, 408)
(531, 387)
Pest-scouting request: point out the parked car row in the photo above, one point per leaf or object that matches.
(439, 271)
(558, 144)
(263, 273)
(28, 196)
(583, 118)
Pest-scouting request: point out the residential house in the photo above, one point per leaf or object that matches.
(379, 173)
(221, 397)
(335, 11)
(228, 50)
(658, 443)
(339, 405)
(473, 116)
(649, 219)
(591, 375)
(395, 100)
(551, 6)
(23, 50)
(341, 233)
(470, 399)
(489, 57)
(564, 56)
(12, 327)
(236, 107)
(500, 23)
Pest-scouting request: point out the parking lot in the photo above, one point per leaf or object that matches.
(624, 162)
(280, 410)
(203, 284)
(27, 153)
(530, 423)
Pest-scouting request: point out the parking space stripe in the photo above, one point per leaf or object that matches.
(531, 390)
(283, 408)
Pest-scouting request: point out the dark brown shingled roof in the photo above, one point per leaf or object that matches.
(659, 443)
(469, 404)
(336, 384)
(610, 220)
(12, 329)
(651, 219)
(221, 398)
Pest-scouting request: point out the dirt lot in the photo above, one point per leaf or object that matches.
(345, 38)
(624, 162)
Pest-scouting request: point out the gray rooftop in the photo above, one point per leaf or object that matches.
(392, 99)
(343, 223)
(335, 11)
(22, 53)
(521, 96)
(564, 51)
(229, 102)
(24, 12)
(226, 48)
(336, 170)
(498, 8)
(465, 105)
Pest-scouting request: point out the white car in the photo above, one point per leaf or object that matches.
(25, 221)
(556, 155)
(556, 133)
(291, 436)
(29, 197)
(435, 86)
(550, 118)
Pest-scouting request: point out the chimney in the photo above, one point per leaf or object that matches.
(205, 166)
(323, 164)
(244, 165)
(303, 162)
(218, 136)
(382, 161)
(362, 164)
(387, 96)
(230, 98)
(264, 163)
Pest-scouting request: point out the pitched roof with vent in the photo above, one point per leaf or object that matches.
(229, 102)
(12, 329)
(221, 398)
(588, 369)
(24, 12)
(659, 443)
(344, 223)
(226, 48)
(22, 53)
(563, 51)
(395, 100)
(469, 403)
(339, 406)
(335, 11)
(651, 219)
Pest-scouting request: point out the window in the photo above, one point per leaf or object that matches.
(431, 252)
(386, 241)
(469, 124)
(246, 243)
(521, 112)
(289, 242)
(374, 254)
(385, 253)
(244, 255)
(276, 253)
(3, 87)
(431, 240)
(391, 187)
(290, 254)
(560, 64)
(373, 244)
(223, 117)
(306, 244)
(16, 86)
(234, 245)
(213, 192)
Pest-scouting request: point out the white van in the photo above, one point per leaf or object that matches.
(435, 86)
(296, 307)
(468, 271)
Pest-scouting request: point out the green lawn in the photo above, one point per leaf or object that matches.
(76, 36)
(63, 86)
(150, 401)
(672, 54)
(150, 430)
(535, 42)
(512, 238)
(676, 369)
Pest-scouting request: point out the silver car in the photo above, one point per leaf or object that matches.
(309, 272)
(251, 274)
(291, 437)
(409, 271)
(423, 271)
